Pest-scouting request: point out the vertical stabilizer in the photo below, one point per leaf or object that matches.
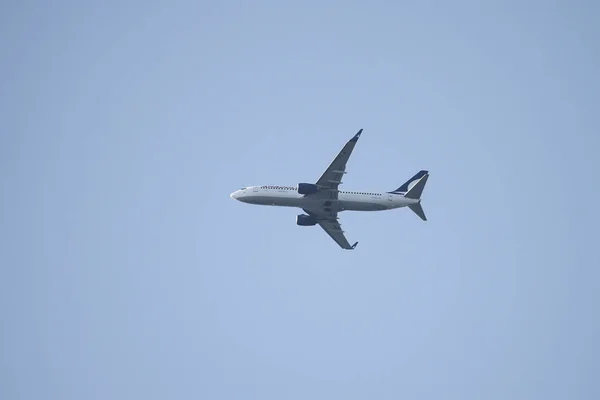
(417, 190)
(406, 186)
(413, 189)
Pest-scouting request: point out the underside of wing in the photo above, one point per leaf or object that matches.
(330, 224)
(329, 182)
(334, 230)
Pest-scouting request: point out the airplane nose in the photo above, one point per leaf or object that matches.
(234, 195)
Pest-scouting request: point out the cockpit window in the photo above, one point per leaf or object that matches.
(243, 188)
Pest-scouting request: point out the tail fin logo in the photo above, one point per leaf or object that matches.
(406, 186)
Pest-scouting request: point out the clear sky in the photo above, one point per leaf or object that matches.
(127, 272)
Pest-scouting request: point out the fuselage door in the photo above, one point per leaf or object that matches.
(389, 197)
(255, 189)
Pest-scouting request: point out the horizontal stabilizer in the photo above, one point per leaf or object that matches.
(417, 209)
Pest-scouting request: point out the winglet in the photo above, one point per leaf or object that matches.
(354, 246)
(355, 138)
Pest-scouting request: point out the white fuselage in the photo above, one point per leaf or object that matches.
(288, 196)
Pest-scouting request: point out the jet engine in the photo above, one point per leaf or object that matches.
(307, 188)
(306, 220)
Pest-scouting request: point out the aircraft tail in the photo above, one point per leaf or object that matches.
(409, 184)
(417, 209)
(416, 191)
(413, 189)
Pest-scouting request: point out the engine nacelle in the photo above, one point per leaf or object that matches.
(307, 188)
(306, 220)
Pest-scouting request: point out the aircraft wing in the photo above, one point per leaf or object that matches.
(331, 226)
(332, 177)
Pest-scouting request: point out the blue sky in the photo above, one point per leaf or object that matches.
(128, 272)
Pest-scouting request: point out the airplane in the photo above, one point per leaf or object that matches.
(322, 201)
